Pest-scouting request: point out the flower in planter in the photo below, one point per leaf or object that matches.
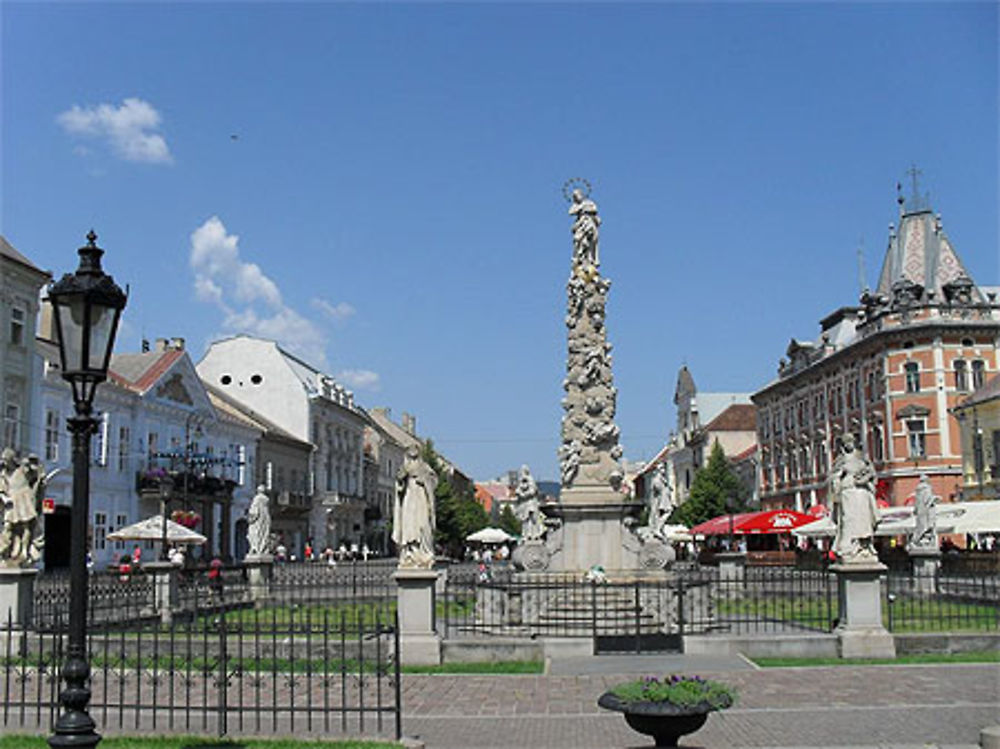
(678, 690)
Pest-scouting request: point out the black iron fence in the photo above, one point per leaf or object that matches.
(648, 613)
(281, 667)
(964, 601)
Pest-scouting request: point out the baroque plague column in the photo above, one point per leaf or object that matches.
(593, 505)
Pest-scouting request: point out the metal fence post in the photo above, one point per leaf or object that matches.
(638, 621)
(593, 614)
(680, 609)
(223, 678)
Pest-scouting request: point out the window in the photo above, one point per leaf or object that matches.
(51, 436)
(916, 438)
(996, 452)
(961, 376)
(241, 464)
(877, 449)
(978, 373)
(12, 424)
(820, 452)
(912, 377)
(153, 441)
(100, 530)
(124, 437)
(269, 475)
(17, 316)
(121, 520)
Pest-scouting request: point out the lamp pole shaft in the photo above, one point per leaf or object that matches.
(75, 727)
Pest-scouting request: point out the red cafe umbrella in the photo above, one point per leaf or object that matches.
(775, 521)
(818, 511)
(719, 526)
(881, 503)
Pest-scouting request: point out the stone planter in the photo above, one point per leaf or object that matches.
(664, 721)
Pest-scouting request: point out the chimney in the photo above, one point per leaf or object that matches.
(46, 322)
(177, 344)
(409, 424)
(145, 345)
(161, 345)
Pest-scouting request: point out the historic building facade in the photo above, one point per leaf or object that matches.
(888, 370)
(20, 284)
(979, 422)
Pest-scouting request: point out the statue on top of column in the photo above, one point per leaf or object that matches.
(585, 230)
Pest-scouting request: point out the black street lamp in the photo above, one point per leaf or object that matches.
(87, 306)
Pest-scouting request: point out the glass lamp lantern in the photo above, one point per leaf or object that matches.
(87, 306)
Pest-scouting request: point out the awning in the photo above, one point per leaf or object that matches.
(766, 521)
(950, 517)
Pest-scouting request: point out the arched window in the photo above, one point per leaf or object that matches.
(978, 374)
(961, 376)
(912, 370)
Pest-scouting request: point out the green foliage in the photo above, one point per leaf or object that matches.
(458, 514)
(684, 691)
(715, 489)
(509, 522)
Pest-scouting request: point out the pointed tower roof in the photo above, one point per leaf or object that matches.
(685, 384)
(920, 254)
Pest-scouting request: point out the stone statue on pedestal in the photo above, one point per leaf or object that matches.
(924, 535)
(529, 510)
(259, 524)
(413, 519)
(22, 486)
(852, 488)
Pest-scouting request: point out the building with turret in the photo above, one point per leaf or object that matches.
(889, 370)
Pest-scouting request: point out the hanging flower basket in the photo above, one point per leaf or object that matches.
(187, 518)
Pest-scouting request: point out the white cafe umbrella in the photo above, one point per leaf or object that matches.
(151, 529)
(490, 536)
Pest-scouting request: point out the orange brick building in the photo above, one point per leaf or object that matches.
(888, 370)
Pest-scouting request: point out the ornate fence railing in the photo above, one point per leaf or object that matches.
(283, 667)
(967, 601)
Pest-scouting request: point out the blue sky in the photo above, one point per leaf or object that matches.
(391, 205)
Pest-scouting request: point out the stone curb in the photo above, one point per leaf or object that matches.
(989, 737)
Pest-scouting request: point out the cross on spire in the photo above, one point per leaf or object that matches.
(917, 202)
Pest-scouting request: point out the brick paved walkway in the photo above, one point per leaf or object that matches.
(841, 706)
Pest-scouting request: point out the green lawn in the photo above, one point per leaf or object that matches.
(908, 615)
(985, 656)
(197, 742)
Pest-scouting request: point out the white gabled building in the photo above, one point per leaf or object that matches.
(311, 406)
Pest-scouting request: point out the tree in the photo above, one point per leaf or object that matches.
(508, 521)
(716, 490)
(457, 514)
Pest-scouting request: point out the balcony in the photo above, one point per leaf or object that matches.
(157, 483)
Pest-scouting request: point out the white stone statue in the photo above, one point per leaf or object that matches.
(259, 524)
(661, 500)
(22, 485)
(852, 488)
(924, 535)
(529, 509)
(585, 230)
(413, 519)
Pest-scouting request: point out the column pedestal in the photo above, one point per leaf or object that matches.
(17, 596)
(259, 569)
(419, 643)
(732, 566)
(861, 633)
(926, 563)
(165, 595)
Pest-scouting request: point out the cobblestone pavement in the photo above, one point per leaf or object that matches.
(839, 706)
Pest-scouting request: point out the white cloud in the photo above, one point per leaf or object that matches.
(336, 312)
(359, 379)
(130, 129)
(250, 301)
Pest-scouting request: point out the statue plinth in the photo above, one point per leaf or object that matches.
(260, 568)
(17, 595)
(732, 565)
(419, 643)
(594, 531)
(860, 632)
(165, 590)
(926, 565)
